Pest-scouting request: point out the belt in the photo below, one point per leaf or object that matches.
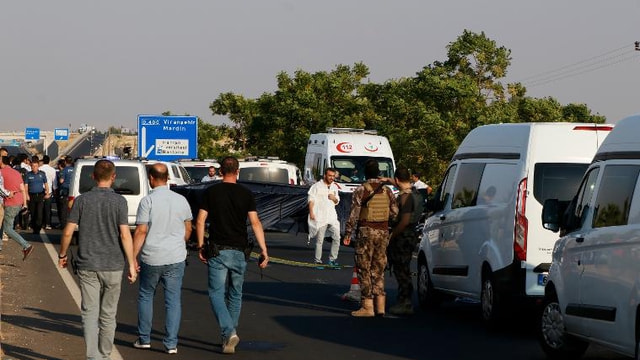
(40, 193)
(227, 247)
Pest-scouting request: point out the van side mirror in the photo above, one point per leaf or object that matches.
(551, 215)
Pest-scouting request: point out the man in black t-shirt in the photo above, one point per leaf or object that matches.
(228, 205)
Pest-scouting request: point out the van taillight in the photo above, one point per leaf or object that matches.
(70, 202)
(522, 224)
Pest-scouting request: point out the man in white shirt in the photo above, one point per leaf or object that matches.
(50, 172)
(417, 184)
(323, 198)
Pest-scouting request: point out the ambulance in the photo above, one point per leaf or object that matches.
(346, 150)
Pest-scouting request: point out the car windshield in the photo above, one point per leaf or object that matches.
(197, 173)
(126, 183)
(351, 168)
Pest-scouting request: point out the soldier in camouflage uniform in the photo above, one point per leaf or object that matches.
(372, 240)
(402, 243)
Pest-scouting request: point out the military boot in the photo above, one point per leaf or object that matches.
(402, 307)
(380, 302)
(366, 309)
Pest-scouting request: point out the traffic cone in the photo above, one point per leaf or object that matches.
(354, 291)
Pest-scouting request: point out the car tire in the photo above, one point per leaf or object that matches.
(555, 342)
(490, 299)
(428, 297)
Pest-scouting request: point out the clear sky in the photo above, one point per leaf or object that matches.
(104, 62)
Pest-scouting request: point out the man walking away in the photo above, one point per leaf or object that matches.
(103, 235)
(163, 228)
(228, 205)
(323, 197)
(13, 204)
(372, 205)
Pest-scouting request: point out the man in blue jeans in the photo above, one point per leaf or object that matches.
(163, 228)
(17, 201)
(228, 205)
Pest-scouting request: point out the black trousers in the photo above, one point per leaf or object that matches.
(36, 207)
(46, 212)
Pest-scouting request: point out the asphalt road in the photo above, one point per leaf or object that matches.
(289, 312)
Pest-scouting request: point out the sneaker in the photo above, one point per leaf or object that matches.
(333, 263)
(171, 351)
(138, 345)
(48, 227)
(26, 252)
(229, 345)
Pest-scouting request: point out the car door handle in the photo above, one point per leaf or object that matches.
(443, 217)
(580, 240)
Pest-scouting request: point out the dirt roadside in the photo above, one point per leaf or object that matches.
(39, 319)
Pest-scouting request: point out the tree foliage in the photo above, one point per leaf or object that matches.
(425, 116)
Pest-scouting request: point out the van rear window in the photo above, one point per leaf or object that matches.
(264, 174)
(557, 180)
(127, 180)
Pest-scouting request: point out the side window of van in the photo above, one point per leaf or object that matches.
(444, 191)
(498, 184)
(465, 191)
(584, 198)
(614, 197)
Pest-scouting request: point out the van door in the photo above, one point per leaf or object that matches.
(609, 281)
(464, 231)
(571, 266)
(436, 248)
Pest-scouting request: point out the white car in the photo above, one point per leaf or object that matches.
(178, 175)
(592, 294)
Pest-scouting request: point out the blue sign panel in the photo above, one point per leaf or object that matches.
(32, 134)
(167, 138)
(61, 134)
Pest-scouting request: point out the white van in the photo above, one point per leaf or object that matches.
(485, 239)
(593, 290)
(131, 182)
(269, 169)
(346, 150)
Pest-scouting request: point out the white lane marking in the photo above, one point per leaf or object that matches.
(71, 285)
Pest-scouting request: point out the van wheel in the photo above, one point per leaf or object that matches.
(428, 297)
(555, 342)
(490, 299)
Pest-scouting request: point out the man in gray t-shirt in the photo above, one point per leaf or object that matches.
(103, 234)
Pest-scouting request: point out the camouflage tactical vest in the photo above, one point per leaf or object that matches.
(377, 208)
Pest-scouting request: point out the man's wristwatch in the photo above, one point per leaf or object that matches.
(62, 256)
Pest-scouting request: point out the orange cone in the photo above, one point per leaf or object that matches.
(354, 291)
